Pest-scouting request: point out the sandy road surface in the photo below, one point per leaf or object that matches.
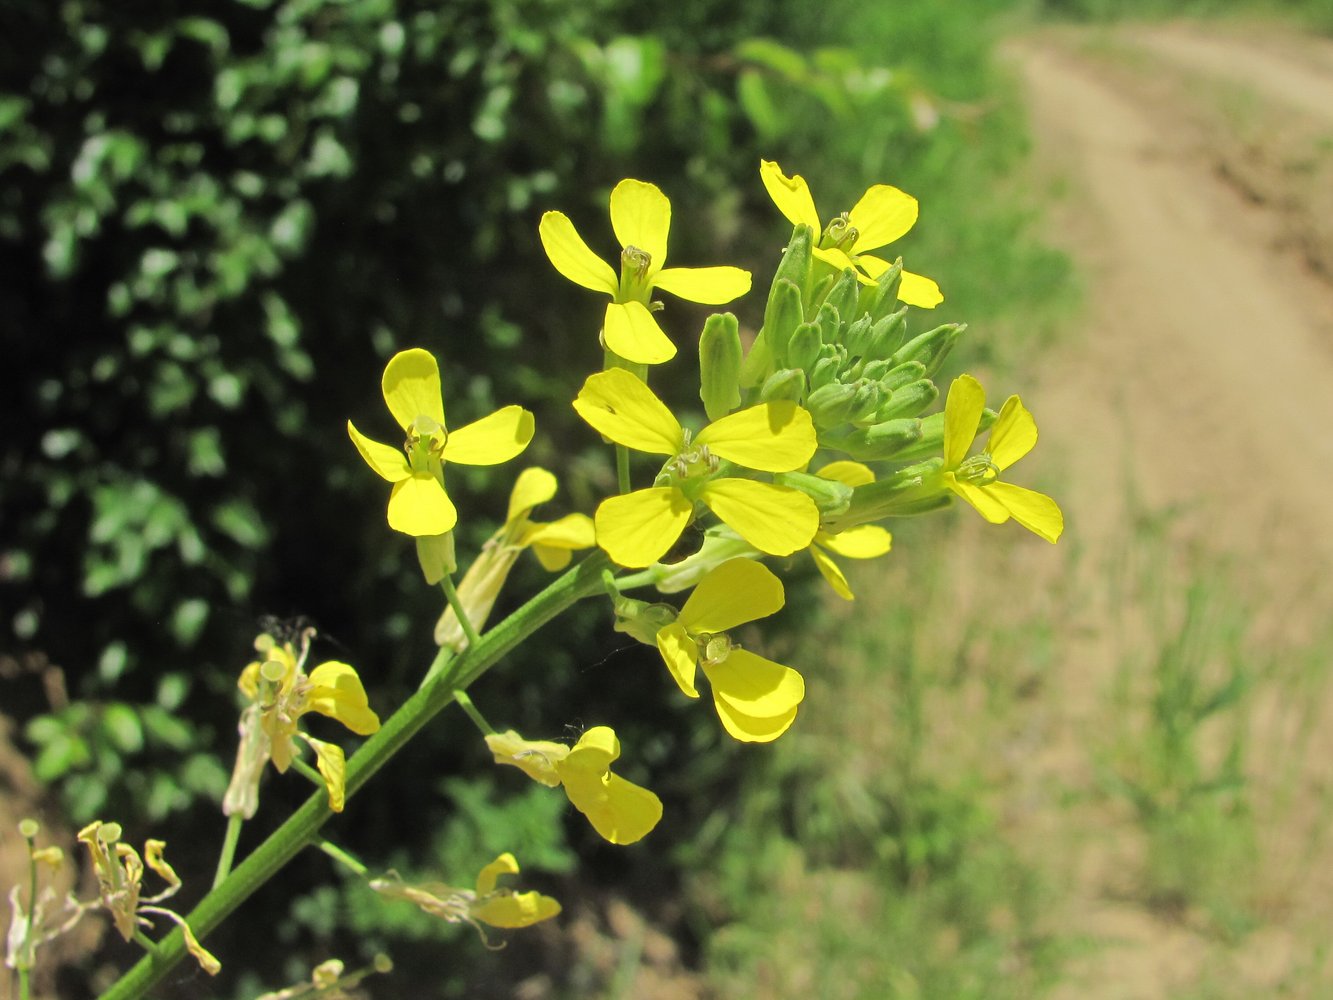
(1200, 379)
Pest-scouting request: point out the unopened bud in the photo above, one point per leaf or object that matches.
(932, 435)
(856, 338)
(825, 372)
(909, 401)
(895, 378)
(830, 404)
(829, 321)
(877, 442)
(887, 334)
(829, 495)
(720, 365)
(931, 347)
(907, 491)
(642, 621)
(843, 296)
(869, 398)
(786, 383)
(803, 348)
(795, 264)
(782, 316)
(881, 300)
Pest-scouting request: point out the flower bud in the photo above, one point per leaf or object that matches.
(931, 347)
(909, 401)
(720, 365)
(830, 496)
(825, 371)
(785, 383)
(642, 621)
(895, 378)
(843, 295)
(856, 338)
(803, 348)
(906, 491)
(932, 435)
(781, 318)
(829, 323)
(887, 334)
(795, 264)
(830, 404)
(882, 299)
(877, 442)
(869, 398)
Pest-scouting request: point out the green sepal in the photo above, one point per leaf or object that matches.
(831, 404)
(903, 491)
(830, 496)
(882, 299)
(785, 383)
(856, 338)
(435, 553)
(876, 442)
(795, 264)
(720, 365)
(843, 296)
(781, 318)
(887, 334)
(931, 347)
(758, 362)
(803, 348)
(865, 407)
(821, 288)
(641, 620)
(895, 378)
(828, 322)
(909, 401)
(825, 370)
(932, 435)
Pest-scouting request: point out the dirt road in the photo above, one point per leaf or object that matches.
(1195, 167)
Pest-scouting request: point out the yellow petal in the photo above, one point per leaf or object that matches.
(791, 195)
(774, 519)
(573, 531)
(595, 751)
(333, 766)
(738, 591)
(571, 255)
(619, 810)
(505, 864)
(1035, 511)
(756, 689)
(986, 505)
(419, 506)
(873, 266)
(865, 541)
(552, 560)
(881, 216)
(839, 261)
(770, 437)
(630, 330)
(336, 691)
(535, 758)
(918, 290)
(638, 528)
(207, 961)
(753, 729)
(681, 655)
(492, 439)
(709, 285)
(641, 217)
(154, 859)
(847, 472)
(622, 408)
(511, 911)
(831, 572)
(388, 463)
(962, 415)
(411, 387)
(1014, 434)
(532, 487)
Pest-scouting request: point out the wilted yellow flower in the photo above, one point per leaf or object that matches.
(621, 811)
(488, 903)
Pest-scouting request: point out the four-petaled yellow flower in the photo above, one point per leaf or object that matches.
(881, 216)
(488, 903)
(281, 692)
(864, 541)
(419, 505)
(619, 810)
(976, 479)
(638, 528)
(553, 543)
(641, 218)
(120, 872)
(756, 699)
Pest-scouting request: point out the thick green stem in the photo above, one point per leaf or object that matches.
(622, 468)
(234, 824)
(582, 581)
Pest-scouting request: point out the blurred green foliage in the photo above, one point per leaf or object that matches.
(217, 220)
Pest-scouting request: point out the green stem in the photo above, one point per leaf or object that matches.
(234, 824)
(452, 595)
(269, 857)
(24, 988)
(622, 468)
(342, 857)
(644, 578)
(309, 773)
(465, 703)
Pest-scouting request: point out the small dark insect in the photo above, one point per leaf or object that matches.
(286, 629)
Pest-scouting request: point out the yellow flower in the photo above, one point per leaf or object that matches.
(756, 699)
(487, 904)
(638, 528)
(641, 218)
(864, 541)
(976, 479)
(881, 216)
(120, 872)
(619, 810)
(280, 693)
(418, 504)
(553, 543)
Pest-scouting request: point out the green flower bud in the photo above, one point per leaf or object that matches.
(844, 294)
(795, 264)
(876, 442)
(803, 348)
(794, 269)
(831, 404)
(881, 299)
(831, 497)
(856, 338)
(895, 378)
(785, 383)
(909, 401)
(720, 365)
(932, 435)
(828, 321)
(825, 372)
(931, 347)
(641, 620)
(887, 334)
(821, 289)
(783, 315)
(906, 491)
(869, 399)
